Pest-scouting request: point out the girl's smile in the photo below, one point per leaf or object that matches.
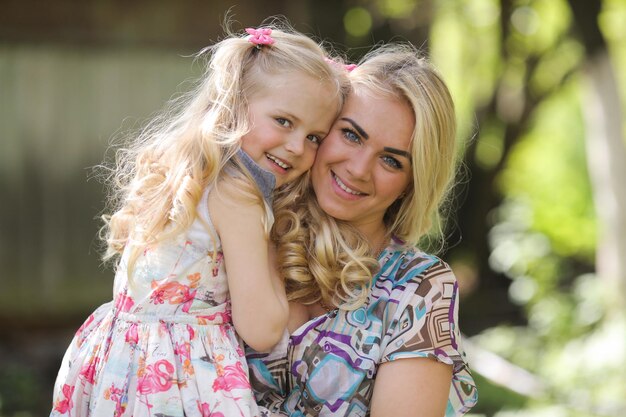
(285, 129)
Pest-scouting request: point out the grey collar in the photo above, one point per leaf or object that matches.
(265, 180)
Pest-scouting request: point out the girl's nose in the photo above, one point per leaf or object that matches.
(295, 144)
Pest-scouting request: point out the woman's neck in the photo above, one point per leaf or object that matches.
(377, 236)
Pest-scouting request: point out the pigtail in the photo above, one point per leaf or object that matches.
(159, 179)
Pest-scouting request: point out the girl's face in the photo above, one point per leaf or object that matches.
(289, 116)
(364, 164)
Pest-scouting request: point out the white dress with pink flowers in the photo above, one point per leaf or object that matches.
(165, 346)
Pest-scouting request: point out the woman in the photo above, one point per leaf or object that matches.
(373, 320)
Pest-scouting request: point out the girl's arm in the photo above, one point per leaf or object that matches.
(259, 302)
(411, 387)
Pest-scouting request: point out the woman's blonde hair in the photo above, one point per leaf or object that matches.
(158, 180)
(327, 260)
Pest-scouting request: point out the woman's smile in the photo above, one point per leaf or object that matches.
(364, 165)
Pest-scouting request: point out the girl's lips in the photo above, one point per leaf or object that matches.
(344, 190)
(278, 163)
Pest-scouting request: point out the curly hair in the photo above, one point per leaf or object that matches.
(327, 260)
(159, 178)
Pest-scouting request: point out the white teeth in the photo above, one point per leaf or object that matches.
(345, 187)
(277, 161)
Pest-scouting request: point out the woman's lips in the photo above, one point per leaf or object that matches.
(345, 189)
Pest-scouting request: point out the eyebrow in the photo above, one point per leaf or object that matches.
(290, 115)
(386, 148)
(399, 152)
(356, 127)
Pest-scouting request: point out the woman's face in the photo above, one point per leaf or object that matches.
(364, 163)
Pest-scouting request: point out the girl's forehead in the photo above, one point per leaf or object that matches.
(258, 81)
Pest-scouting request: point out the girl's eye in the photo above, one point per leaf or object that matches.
(314, 139)
(283, 122)
(392, 162)
(350, 135)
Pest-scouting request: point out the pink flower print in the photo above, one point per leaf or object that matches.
(156, 378)
(66, 404)
(120, 398)
(173, 293)
(191, 331)
(194, 279)
(132, 336)
(124, 303)
(88, 371)
(206, 412)
(80, 339)
(188, 300)
(232, 377)
(240, 351)
(157, 296)
(85, 324)
(224, 316)
(183, 349)
(216, 263)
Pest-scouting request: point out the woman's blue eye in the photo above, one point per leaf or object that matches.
(392, 162)
(350, 135)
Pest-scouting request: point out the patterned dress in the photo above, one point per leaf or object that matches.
(165, 346)
(328, 366)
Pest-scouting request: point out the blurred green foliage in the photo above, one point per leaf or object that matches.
(543, 235)
(19, 390)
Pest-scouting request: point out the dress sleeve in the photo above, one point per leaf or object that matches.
(422, 322)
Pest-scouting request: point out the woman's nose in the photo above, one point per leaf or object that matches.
(359, 165)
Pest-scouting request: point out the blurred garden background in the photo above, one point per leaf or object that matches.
(537, 238)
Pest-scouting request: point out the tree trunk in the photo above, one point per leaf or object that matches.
(606, 158)
(606, 150)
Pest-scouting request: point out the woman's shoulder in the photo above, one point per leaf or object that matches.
(403, 264)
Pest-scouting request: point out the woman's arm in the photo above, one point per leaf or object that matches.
(259, 304)
(412, 387)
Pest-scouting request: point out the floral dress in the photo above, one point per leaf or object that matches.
(165, 346)
(328, 366)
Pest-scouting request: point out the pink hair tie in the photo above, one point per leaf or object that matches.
(347, 67)
(260, 36)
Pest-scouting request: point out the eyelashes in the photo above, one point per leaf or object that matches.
(283, 122)
(353, 137)
(392, 162)
(350, 135)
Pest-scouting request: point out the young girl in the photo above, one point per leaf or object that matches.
(193, 196)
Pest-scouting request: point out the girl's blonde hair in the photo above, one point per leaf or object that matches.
(327, 260)
(158, 180)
